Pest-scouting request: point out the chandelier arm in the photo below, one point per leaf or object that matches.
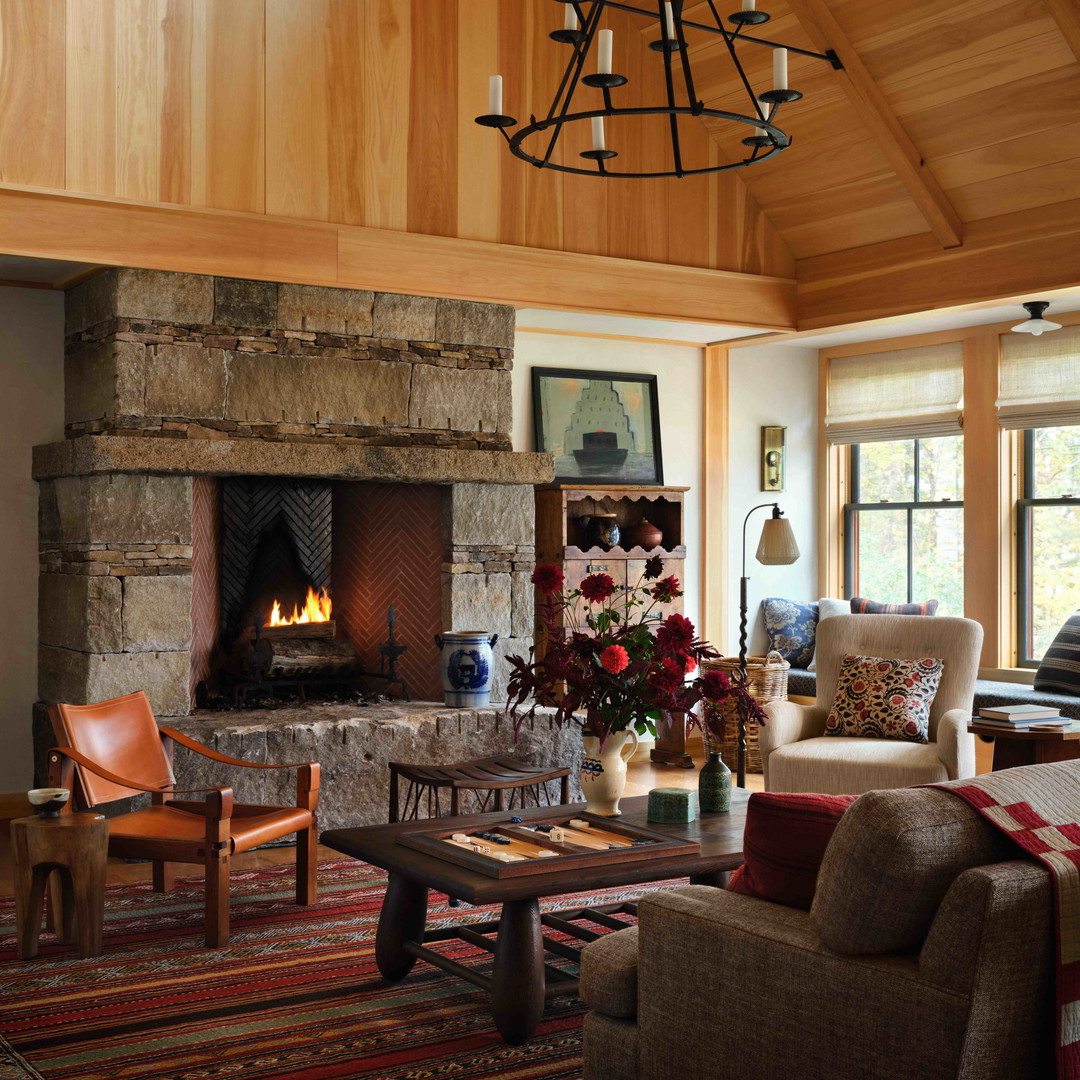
(830, 55)
(729, 41)
(574, 58)
(684, 57)
(577, 62)
(669, 80)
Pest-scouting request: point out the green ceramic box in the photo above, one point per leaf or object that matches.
(672, 805)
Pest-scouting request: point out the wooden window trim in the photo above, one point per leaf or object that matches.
(991, 487)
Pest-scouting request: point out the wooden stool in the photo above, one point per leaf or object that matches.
(71, 850)
(490, 776)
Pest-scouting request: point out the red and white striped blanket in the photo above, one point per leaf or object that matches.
(1043, 816)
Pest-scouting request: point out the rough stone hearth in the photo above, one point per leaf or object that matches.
(354, 747)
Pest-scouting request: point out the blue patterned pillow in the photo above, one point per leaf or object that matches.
(792, 627)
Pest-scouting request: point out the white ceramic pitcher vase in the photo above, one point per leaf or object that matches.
(603, 772)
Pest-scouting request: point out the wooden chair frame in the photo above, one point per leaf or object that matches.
(214, 851)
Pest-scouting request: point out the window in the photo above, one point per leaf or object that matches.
(1048, 538)
(904, 526)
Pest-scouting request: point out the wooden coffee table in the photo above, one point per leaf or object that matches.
(520, 981)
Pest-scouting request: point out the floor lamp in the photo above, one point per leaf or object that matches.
(776, 547)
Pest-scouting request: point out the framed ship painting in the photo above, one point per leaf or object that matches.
(602, 426)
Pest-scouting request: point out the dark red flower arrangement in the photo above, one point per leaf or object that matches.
(620, 668)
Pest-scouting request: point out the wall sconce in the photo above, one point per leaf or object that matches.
(772, 458)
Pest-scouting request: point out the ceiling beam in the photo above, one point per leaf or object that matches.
(869, 102)
(1067, 15)
(1025, 254)
(123, 232)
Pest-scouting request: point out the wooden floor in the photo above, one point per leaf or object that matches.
(642, 775)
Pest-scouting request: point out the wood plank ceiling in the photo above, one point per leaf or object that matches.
(951, 124)
(987, 91)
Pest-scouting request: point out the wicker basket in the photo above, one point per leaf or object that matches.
(766, 679)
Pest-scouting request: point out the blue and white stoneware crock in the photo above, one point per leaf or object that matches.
(466, 667)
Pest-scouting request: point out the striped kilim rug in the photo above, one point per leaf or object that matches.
(295, 995)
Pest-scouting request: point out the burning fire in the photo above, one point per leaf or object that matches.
(316, 609)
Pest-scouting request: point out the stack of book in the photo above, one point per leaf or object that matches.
(1019, 717)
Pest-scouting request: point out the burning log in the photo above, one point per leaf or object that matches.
(304, 649)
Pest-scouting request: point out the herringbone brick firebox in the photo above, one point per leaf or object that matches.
(175, 382)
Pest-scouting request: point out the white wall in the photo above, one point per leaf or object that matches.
(771, 385)
(679, 389)
(31, 412)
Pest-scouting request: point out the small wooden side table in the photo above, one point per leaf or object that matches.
(72, 850)
(1027, 747)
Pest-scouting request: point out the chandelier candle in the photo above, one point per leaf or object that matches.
(570, 22)
(598, 133)
(603, 64)
(669, 20)
(495, 95)
(749, 5)
(779, 69)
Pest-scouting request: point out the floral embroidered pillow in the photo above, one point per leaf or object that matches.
(791, 627)
(884, 699)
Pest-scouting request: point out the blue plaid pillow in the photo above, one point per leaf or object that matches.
(792, 627)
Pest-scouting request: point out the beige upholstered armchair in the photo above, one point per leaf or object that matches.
(796, 753)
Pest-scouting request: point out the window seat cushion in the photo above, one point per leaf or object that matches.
(988, 693)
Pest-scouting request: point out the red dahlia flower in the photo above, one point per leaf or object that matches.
(675, 634)
(548, 579)
(614, 659)
(596, 588)
(654, 567)
(715, 686)
(665, 591)
(668, 677)
(689, 665)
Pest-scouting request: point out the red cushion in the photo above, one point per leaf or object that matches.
(784, 843)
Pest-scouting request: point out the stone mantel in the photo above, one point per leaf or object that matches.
(105, 454)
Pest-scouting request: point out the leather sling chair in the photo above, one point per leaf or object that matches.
(115, 749)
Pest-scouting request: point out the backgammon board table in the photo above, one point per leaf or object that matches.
(412, 854)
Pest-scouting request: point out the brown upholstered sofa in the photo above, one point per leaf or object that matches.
(927, 954)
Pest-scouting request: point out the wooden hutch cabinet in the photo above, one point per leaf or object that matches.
(563, 514)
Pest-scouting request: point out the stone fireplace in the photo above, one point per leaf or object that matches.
(182, 389)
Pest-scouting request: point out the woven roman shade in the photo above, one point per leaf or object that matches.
(1039, 379)
(902, 394)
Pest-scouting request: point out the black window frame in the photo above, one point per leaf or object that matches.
(855, 507)
(1024, 565)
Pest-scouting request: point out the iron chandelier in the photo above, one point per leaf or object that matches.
(581, 28)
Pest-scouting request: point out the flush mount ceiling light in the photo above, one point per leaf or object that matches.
(1035, 323)
(537, 141)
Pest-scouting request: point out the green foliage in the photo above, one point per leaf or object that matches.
(1055, 535)
(887, 475)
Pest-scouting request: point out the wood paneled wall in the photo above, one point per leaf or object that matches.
(356, 112)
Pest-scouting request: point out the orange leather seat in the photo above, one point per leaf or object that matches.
(264, 825)
(114, 749)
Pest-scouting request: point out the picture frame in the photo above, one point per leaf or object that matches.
(602, 426)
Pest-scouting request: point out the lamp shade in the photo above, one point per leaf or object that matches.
(777, 546)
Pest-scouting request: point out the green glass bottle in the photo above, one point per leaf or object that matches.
(714, 785)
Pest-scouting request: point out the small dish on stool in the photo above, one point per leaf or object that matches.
(47, 801)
